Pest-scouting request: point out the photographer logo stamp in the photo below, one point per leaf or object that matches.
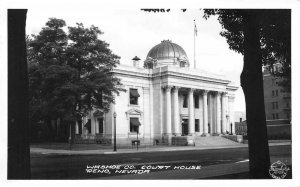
(278, 170)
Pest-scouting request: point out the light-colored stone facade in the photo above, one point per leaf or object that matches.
(166, 105)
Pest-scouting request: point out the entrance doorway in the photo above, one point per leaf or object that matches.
(185, 127)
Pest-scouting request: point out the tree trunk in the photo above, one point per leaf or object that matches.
(72, 134)
(18, 123)
(252, 84)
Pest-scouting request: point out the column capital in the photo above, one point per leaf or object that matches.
(176, 88)
(204, 92)
(167, 87)
(192, 90)
(218, 93)
(224, 93)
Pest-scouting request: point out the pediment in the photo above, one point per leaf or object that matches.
(134, 111)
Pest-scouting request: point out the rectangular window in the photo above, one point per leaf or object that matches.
(133, 96)
(273, 93)
(197, 129)
(88, 125)
(273, 115)
(277, 117)
(273, 105)
(276, 92)
(100, 121)
(276, 104)
(185, 105)
(196, 101)
(134, 125)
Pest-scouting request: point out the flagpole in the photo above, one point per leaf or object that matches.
(194, 45)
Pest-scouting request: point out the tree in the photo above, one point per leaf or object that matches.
(263, 37)
(18, 157)
(70, 74)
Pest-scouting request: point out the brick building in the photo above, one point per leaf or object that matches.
(277, 100)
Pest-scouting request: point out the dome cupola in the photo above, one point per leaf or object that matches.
(166, 53)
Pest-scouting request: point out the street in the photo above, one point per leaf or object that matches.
(74, 166)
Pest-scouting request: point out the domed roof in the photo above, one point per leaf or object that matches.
(167, 50)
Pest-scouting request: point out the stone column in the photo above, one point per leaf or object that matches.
(168, 111)
(227, 114)
(76, 127)
(215, 113)
(224, 112)
(176, 119)
(210, 109)
(92, 125)
(231, 113)
(201, 113)
(97, 125)
(218, 94)
(191, 112)
(205, 117)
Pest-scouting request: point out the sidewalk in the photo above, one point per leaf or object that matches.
(109, 150)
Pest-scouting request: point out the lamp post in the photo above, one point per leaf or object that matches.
(137, 139)
(115, 131)
(227, 122)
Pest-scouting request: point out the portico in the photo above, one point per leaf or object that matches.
(218, 102)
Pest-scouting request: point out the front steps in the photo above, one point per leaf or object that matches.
(213, 141)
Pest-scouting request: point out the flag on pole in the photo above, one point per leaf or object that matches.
(195, 29)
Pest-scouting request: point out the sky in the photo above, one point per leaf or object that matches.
(132, 32)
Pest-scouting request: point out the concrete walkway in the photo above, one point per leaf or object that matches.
(38, 150)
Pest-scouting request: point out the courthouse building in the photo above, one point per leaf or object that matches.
(165, 97)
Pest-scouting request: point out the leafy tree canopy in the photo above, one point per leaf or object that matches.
(70, 73)
(274, 32)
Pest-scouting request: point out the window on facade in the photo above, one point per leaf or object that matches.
(273, 93)
(196, 101)
(197, 129)
(182, 64)
(273, 105)
(134, 96)
(134, 125)
(288, 105)
(277, 117)
(185, 105)
(88, 125)
(276, 93)
(276, 104)
(273, 115)
(100, 121)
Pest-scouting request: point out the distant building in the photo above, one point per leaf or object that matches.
(241, 127)
(239, 116)
(277, 108)
(277, 100)
(277, 129)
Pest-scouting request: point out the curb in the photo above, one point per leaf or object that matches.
(93, 152)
